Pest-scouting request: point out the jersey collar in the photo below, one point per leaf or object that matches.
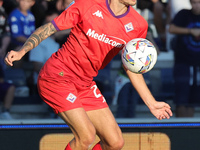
(120, 16)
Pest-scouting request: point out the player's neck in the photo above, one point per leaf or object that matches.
(117, 7)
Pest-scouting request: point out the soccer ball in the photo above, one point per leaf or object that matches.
(139, 55)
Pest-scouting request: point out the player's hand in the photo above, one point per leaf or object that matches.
(161, 110)
(13, 56)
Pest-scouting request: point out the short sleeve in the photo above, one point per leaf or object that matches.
(179, 19)
(69, 17)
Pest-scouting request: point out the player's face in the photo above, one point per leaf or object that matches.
(128, 2)
(195, 6)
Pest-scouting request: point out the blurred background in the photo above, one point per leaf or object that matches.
(24, 113)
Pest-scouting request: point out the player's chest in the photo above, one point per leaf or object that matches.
(100, 24)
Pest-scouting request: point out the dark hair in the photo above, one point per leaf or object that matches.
(51, 12)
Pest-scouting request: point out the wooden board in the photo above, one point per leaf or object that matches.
(133, 141)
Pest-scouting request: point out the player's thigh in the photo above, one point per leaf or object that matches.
(79, 123)
(106, 126)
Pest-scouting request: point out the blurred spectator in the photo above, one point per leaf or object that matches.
(62, 4)
(4, 32)
(58, 5)
(161, 13)
(125, 96)
(103, 81)
(186, 46)
(7, 90)
(145, 4)
(9, 5)
(39, 55)
(39, 9)
(177, 5)
(161, 17)
(22, 24)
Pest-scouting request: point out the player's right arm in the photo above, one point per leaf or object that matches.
(34, 40)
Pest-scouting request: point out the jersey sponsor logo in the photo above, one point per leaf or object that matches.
(129, 27)
(71, 97)
(98, 14)
(111, 40)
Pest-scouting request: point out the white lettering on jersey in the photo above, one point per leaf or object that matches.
(98, 14)
(105, 39)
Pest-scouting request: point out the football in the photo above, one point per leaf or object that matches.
(139, 55)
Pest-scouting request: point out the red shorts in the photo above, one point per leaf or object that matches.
(65, 95)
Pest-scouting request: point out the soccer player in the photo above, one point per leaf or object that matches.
(21, 22)
(99, 30)
(186, 27)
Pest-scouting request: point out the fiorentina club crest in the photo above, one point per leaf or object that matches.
(71, 97)
(129, 27)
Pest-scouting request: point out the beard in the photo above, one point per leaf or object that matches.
(128, 3)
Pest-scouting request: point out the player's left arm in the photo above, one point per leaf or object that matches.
(160, 110)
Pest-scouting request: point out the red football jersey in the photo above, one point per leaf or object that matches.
(97, 35)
